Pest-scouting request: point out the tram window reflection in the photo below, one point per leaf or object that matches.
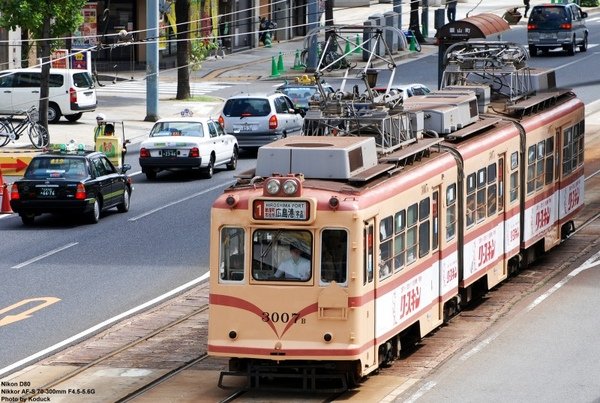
(282, 255)
(231, 254)
(334, 256)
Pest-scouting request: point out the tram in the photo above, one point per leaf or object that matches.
(347, 244)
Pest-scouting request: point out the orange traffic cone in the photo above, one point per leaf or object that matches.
(5, 201)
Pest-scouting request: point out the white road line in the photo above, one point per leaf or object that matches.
(40, 257)
(99, 326)
(179, 201)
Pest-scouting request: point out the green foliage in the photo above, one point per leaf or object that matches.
(30, 15)
(589, 3)
(200, 50)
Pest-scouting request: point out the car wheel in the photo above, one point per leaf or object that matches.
(583, 47)
(74, 118)
(232, 165)
(571, 48)
(27, 218)
(94, 215)
(532, 50)
(209, 171)
(53, 113)
(124, 206)
(150, 174)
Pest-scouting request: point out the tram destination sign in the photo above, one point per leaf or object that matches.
(281, 210)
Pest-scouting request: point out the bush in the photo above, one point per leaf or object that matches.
(589, 3)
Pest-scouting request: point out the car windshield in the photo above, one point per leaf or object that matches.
(299, 94)
(247, 107)
(56, 167)
(188, 129)
(548, 15)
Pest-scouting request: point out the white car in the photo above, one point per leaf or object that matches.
(407, 90)
(187, 143)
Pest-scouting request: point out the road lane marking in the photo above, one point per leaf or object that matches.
(40, 257)
(8, 319)
(102, 325)
(179, 201)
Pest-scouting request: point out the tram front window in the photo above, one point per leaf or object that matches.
(282, 255)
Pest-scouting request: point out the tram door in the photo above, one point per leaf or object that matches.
(369, 282)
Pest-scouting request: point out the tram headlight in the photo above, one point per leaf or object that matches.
(273, 186)
(290, 187)
(327, 337)
(232, 335)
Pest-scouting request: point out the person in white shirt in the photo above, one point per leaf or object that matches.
(296, 267)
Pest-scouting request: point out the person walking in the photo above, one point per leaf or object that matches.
(526, 2)
(451, 9)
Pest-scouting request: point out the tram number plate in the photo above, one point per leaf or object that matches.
(46, 192)
(280, 210)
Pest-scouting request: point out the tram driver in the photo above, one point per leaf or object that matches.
(296, 267)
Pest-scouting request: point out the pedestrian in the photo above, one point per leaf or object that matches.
(451, 10)
(526, 2)
(99, 129)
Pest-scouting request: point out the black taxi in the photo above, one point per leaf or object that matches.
(69, 179)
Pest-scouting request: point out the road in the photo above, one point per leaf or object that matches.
(61, 277)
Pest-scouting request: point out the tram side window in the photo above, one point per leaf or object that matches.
(450, 211)
(514, 177)
(424, 226)
(573, 146)
(282, 255)
(386, 237)
(334, 256)
(411, 233)
(481, 181)
(399, 239)
(231, 254)
(492, 190)
(549, 160)
(470, 213)
(501, 184)
(580, 142)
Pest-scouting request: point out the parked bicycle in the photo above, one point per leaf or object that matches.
(10, 130)
(334, 58)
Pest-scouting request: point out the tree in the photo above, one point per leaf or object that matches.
(182, 13)
(414, 24)
(44, 20)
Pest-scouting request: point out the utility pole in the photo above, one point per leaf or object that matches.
(152, 61)
(313, 23)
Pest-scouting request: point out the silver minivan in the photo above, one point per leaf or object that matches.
(258, 119)
(71, 92)
(557, 26)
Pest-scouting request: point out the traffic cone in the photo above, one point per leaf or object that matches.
(297, 62)
(357, 49)
(280, 67)
(347, 49)
(413, 45)
(274, 70)
(5, 209)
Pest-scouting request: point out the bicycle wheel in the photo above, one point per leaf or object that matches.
(4, 134)
(38, 135)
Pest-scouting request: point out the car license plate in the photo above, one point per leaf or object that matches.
(46, 192)
(547, 36)
(245, 128)
(169, 153)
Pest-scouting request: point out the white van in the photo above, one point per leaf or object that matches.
(71, 92)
